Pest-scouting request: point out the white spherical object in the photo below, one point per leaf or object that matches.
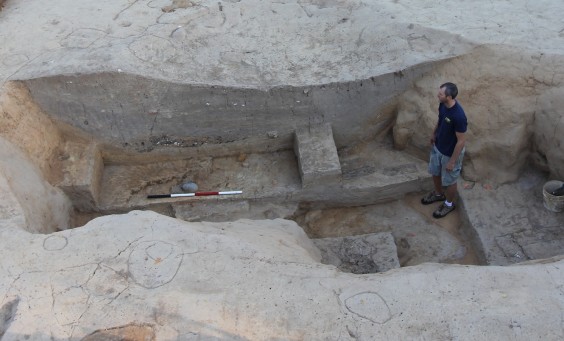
(189, 187)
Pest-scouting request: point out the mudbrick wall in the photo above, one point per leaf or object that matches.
(139, 113)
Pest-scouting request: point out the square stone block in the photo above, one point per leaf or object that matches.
(82, 168)
(317, 156)
(363, 254)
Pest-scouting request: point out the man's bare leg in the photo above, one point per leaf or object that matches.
(450, 192)
(438, 184)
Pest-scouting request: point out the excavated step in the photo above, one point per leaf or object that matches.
(372, 173)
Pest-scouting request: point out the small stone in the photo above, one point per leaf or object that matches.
(179, 33)
(468, 185)
(272, 134)
(189, 187)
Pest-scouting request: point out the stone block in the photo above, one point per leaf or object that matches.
(82, 169)
(511, 249)
(369, 253)
(543, 242)
(317, 156)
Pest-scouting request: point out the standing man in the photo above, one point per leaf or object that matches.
(447, 141)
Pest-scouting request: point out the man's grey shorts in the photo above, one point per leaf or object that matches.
(437, 166)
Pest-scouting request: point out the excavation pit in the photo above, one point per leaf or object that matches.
(362, 203)
(368, 187)
(364, 206)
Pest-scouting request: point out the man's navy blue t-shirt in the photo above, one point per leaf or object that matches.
(450, 121)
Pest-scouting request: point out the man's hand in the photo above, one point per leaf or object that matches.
(461, 141)
(432, 139)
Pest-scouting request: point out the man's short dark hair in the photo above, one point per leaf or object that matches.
(450, 89)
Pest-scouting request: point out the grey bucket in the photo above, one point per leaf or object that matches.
(554, 203)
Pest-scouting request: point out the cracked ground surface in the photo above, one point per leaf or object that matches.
(252, 280)
(261, 280)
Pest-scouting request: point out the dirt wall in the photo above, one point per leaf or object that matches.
(29, 144)
(140, 114)
(511, 100)
(25, 125)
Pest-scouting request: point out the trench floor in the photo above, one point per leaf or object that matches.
(419, 237)
(268, 180)
(498, 225)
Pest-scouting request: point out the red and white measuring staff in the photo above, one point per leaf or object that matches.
(196, 194)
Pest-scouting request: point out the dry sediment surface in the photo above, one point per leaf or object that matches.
(415, 240)
(94, 118)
